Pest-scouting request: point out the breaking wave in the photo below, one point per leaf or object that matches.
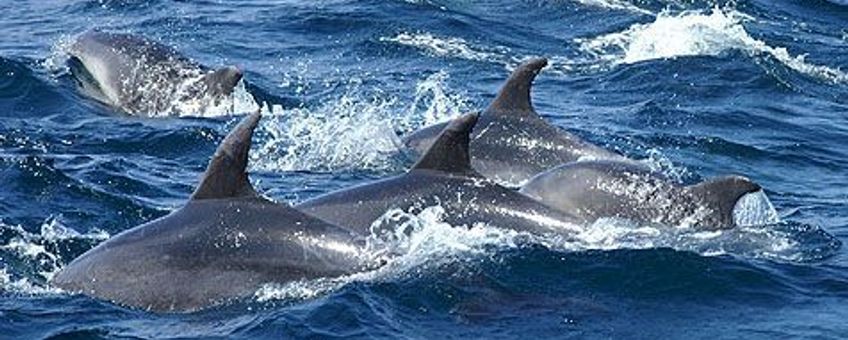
(453, 47)
(696, 33)
(615, 5)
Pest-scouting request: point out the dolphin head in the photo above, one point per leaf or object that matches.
(222, 81)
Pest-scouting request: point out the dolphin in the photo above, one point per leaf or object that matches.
(143, 77)
(593, 189)
(225, 243)
(512, 143)
(443, 176)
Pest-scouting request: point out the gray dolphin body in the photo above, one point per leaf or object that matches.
(512, 143)
(141, 76)
(442, 176)
(225, 243)
(594, 189)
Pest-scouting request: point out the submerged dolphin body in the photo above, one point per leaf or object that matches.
(443, 176)
(594, 189)
(143, 77)
(512, 143)
(224, 243)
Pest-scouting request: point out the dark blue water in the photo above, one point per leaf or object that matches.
(696, 88)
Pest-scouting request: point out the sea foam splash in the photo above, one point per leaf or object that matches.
(240, 101)
(454, 47)
(695, 33)
(755, 209)
(37, 255)
(358, 130)
(615, 5)
(350, 132)
(450, 47)
(411, 245)
(435, 102)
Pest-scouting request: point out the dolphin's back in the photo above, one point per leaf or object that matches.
(605, 188)
(126, 45)
(466, 201)
(224, 243)
(206, 252)
(511, 143)
(595, 189)
(443, 176)
(511, 150)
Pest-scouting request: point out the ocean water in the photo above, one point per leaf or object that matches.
(695, 88)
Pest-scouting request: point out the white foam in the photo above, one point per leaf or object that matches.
(436, 102)
(695, 33)
(755, 209)
(355, 131)
(33, 249)
(412, 245)
(454, 47)
(616, 5)
(659, 162)
(185, 105)
(55, 63)
(448, 47)
(23, 285)
(350, 132)
(297, 290)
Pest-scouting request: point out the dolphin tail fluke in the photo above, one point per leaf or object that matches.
(449, 152)
(721, 194)
(226, 175)
(514, 96)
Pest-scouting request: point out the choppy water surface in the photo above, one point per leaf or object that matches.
(696, 88)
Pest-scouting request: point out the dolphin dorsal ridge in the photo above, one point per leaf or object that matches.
(449, 153)
(514, 96)
(721, 194)
(226, 174)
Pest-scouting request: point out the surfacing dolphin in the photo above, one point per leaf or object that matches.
(594, 189)
(143, 77)
(224, 243)
(512, 143)
(443, 176)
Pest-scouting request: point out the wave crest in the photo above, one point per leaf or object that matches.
(695, 33)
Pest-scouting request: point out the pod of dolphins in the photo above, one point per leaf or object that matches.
(227, 241)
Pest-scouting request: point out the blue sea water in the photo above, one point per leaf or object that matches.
(696, 88)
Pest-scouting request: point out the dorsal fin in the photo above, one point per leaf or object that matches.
(226, 174)
(514, 96)
(721, 194)
(449, 152)
(222, 81)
